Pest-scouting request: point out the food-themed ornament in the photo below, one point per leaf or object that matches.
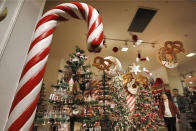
(167, 54)
(127, 77)
(102, 64)
(141, 79)
(115, 68)
(132, 87)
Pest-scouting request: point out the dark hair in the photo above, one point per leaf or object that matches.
(175, 89)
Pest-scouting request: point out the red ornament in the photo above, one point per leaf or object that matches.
(158, 81)
(134, 38)
(115, 49)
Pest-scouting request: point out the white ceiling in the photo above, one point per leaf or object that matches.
(175, 20)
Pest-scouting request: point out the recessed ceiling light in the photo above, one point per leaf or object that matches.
(190, 82)
(139, 42)
(190, 54)
(124, 49)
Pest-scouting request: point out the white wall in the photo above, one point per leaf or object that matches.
(12, 60)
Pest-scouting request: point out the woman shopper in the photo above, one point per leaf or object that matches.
(168, 111)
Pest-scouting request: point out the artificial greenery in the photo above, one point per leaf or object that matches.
(145, 115)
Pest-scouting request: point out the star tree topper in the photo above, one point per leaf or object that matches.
(135, 68)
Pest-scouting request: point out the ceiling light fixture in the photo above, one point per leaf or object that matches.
(139, 42)
(190, 82)
(190, 54)
(124, 49)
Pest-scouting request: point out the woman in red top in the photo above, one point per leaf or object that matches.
(168, 111)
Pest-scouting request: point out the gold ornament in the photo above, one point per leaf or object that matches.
(141, 79)
(127, 77)
(102, 64)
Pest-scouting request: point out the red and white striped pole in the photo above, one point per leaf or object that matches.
(23, 107)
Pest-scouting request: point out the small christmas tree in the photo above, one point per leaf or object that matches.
(145, 115)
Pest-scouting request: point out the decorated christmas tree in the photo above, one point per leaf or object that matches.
(145, 115)
(121, 112)
(73, 99)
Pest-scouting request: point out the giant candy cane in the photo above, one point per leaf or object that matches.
(23, 107)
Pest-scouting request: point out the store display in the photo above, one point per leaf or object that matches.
(24, 103)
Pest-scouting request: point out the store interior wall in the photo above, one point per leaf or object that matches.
(13, 58)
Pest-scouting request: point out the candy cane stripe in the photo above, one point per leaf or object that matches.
(48, 18)
(35, 60)
(25, 102)
(23, 107)
(24, 116)
(24, 90)
(41, 37)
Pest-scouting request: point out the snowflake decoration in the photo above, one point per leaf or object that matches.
(135, 68)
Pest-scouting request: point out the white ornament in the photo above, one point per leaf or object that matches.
(135, 68)
(71, 83)
(130, 87)
(75, 59)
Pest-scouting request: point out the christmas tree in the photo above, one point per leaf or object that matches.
(73, 100)
(145, 115)
(121, 112)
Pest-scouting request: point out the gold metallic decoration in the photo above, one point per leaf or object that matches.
(3, 14)
(127, 77)
(141, 79)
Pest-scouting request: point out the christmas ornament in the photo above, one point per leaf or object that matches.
(127, 77)
(135, 38)
(102, 64)
(158, 82)
(115, 68)
(131, 99)
(23, 107)
(141, 79)
(115, 49)
(71, 83)
(135, 68)
(132, 87)
(167, 54)
(78, 54)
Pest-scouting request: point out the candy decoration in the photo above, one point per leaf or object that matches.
(23, 107)
(115, 68)
(131, 100)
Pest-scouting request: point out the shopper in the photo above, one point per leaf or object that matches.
(182, 104)
(168, 111)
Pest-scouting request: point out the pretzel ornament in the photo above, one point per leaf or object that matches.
(141, 79)
(127, 77)
(102, 64)
(167, 54)
(174, 47)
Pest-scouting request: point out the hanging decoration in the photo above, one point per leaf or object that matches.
(140, 58)
(115, 49)
(115, 68)
(167, 54)
(102, 64)
(135, 68)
